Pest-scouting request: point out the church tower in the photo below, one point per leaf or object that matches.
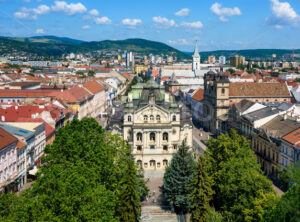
(196, 59)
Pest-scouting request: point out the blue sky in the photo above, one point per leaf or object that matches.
(218, 24)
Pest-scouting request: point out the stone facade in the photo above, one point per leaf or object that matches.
(154, 125)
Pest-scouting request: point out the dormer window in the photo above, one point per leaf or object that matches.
(151, 118)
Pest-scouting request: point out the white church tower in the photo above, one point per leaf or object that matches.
(196, 59)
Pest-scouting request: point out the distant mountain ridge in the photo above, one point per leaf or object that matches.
(56, 46)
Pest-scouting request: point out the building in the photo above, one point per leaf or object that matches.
(153, 124)
(235, 61)
(196, 59)
(220, 94)
(211, 59)
(266, 143)
(8, 160)
(290, 148)
(222, 60)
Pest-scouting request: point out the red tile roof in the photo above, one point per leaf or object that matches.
(126, 75)
(258, 90)
(93, 87)
(199, 95)
(20, 144)
(74, 95)
(6, 139)
(293, 137)
(20, 93)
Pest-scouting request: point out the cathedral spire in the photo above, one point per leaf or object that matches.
(196, 53)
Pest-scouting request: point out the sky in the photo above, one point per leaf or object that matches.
(216, 24)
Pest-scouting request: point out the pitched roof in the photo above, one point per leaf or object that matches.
(93, 87)
(74, 95)
(49, 130)
(258, 90)
(6, 138)
(31, 93)
(293, 137)
(279, 127)
(199, 95)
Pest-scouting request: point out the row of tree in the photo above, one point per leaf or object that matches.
(87, 175)
(226, 184)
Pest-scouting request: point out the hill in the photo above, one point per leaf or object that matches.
(56, 46)
(250, 53)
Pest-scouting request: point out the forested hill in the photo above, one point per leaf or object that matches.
(250, 53)
(56, 46)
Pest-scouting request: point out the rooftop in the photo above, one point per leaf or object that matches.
(6, 138)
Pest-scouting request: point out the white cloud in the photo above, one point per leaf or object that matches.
(94, 12)
(131, 22)
(27, 1)
(196, 25)
(86, 27)
(69, 9)
(103, 20)
(164, 21)
(178, 42)
(183, 12)
(40, 31)
(223, 13)
(282, 14)
(32, 13)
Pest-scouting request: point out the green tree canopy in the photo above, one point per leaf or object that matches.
(85, 177)
(177, 179)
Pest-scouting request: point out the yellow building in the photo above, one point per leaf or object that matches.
(140, 68)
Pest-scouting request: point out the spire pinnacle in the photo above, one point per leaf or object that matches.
(196, 53)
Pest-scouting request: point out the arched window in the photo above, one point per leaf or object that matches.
(165, 148)
(165, 136)
(139, 148)
(152, 163)
(152, 136)
(129, 118)
(145, 118)
(165, 162)
(139, 136)
(139, 163)
(174, 118)
(158, 118)
(151, 118)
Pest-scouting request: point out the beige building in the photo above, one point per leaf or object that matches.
(153, 124)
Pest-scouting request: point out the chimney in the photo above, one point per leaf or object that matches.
(16, 107)
(3, 118)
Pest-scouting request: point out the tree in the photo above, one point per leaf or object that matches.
(143, 190)
(177, 179)
(202, 192)
(91, 73)
(128, 205)
(83, 170)
(238, 181)
(241, 67)
(286, 208)
(81, 74)
(231, 70)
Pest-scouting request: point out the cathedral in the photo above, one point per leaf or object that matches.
(153, 124)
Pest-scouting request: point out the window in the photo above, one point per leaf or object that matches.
(152, 136)
(152, 163)
(152, 147)
(174, 118)
(223, 91)
(139, 163)
(158, 118)
(139, 148)
(175, 146)
(158, 165)
(151, 118)
(165, 148)
(129, 118)
(145, 165)
(165, 162)
(145, 118)
(139, 136)
(165, 136)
